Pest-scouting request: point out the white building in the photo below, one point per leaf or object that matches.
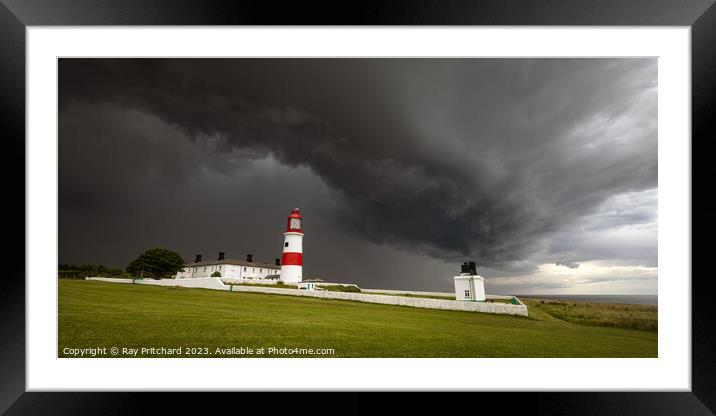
(230, 268)
(469, 285)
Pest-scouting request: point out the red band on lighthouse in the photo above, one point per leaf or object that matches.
(292, 259)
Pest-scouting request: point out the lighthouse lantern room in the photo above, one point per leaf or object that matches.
(292, 259)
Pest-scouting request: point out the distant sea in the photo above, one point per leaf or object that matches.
(633, 299)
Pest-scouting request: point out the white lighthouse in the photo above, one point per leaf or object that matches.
(292, 259)
(468, 284)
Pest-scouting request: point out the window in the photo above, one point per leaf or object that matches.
(285, 244)
(467, 293)
(295, 223)
(244, 268)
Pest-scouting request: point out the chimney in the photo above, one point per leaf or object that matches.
(221, 255)
(278, 262)
(198, 258)
(250, 258)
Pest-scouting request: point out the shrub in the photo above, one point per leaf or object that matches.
(73, 271)
(216, 274)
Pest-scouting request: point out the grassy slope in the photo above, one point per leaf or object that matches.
(95, 314)
(618, 315)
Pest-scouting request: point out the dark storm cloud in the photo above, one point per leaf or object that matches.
(129, 182)
(450, 157)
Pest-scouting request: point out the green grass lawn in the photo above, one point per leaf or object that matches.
(99, 314)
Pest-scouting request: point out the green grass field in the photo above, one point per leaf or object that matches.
(618, 315)
(99, 314)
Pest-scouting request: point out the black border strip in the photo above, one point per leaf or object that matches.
(703, 110)
(12, 135)
(366, 12)
(15, 15)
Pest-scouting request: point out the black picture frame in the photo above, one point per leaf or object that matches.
(16, 15)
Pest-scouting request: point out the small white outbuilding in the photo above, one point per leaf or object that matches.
(469, 285)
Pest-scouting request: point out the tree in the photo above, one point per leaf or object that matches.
(157, 263)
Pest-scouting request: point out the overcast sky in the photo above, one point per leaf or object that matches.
(543, 171)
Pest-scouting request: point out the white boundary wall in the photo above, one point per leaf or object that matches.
(216, 284)
(200, 283)
(500, 308)
(109, 279)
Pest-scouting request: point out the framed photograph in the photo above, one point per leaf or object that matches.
(490, 198)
